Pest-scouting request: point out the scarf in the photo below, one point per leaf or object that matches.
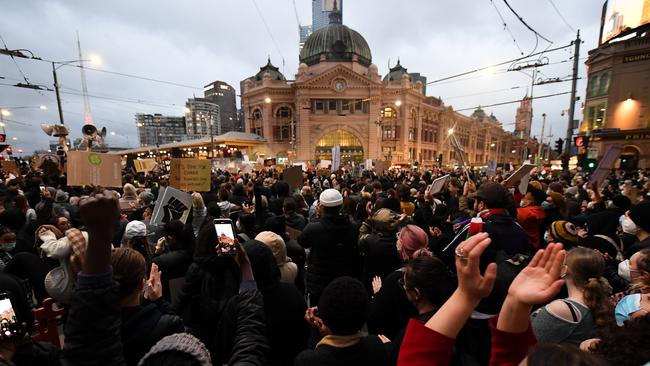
(340, 341)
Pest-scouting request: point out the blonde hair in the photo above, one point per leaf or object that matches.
(197, 201)
(129, 190)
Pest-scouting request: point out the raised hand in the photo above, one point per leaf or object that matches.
(540, 280)
(153, 291)
(376, 285)
(468, 257)
(100, 214)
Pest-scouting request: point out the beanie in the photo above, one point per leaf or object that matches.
(412, 242)
(180, 342)
(564, 231)
(640, 215)
(331, 198)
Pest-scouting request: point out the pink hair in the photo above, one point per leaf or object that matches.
(413, 243)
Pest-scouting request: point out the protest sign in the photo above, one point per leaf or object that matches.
(144, 165)
(438, 184)
(325, 164)
(606, 164)
(95, 169)
(492, 168)
(323, 172)
(10, 166)
(190, 174)
(522, 175)
(172, 204)
(293, 177)
(381, 166)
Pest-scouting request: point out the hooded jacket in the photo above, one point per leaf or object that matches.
(531, 219)
(334, 251)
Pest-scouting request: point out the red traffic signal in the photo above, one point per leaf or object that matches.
(9, 150)
(581, 141)
(3, 137)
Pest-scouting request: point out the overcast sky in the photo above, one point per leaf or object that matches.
(195, 42)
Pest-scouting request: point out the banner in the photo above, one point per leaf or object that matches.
(94, 169)
(606, 164)
(522, 175)
(336, 158)
(144, 165)
(381, 166)
(172, 204)
(190, 174)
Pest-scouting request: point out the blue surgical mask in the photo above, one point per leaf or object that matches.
(8, 247)
(546, 205)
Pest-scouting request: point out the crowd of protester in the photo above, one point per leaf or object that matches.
(345, 270)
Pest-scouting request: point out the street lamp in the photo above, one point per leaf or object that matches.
(450, 131)
(398, 103)
(267, 100)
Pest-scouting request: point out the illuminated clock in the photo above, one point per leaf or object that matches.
(339, 85)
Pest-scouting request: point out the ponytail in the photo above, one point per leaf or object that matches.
(596, 295)
(424, 252)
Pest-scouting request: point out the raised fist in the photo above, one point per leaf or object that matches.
(173, 210)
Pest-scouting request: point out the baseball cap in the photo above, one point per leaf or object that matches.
(135, 229)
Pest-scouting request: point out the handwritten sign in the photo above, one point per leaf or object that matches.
(190, 174)
(96, 169)
(144, 165)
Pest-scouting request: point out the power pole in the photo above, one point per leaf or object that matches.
(541, 139)
(58, 96)
(572, 104)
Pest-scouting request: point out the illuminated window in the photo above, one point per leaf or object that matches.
(256, 125)
(388, 112)
(282, 124)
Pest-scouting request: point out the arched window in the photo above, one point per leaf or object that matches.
(282, 124)
(390, 129)
(256, 123)
(413, 125)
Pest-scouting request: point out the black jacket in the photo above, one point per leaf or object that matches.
(295, 220)
(92, 331)
(144, 325)
(368, 351)
(209, 283)
(390, 310)
(380, 256)
(334, 251)
(298, 256)
(172, 264)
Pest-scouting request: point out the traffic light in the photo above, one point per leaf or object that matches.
(581, 141)
(9, 150)
(559, 144)
(591, 164)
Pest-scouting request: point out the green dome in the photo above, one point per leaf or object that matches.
(337, 42)
(274, 71)
(396, 73)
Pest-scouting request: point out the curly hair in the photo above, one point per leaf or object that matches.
(627, 345)
(343, 306)
(562, 355)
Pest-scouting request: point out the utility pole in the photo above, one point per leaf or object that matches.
(58, 96)
(572, 104)
(541, 139)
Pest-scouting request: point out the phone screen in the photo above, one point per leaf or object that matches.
(8, 319)
(224, 227)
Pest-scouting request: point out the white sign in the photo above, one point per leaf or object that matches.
(492, 168)
(438, 184)
(336, 158)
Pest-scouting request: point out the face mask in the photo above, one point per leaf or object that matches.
(628, 226)
(547, 206)
(624, 270)
(547, 237)
(9, 246)
(522, 203)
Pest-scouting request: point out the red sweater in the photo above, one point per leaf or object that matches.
(425, 347)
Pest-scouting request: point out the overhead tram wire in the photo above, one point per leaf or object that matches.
(14, 60)
(138, 77)
(505, 26)
(559, 13)
(511, 102)
(268, 30)
(524, 22)
(499, 64)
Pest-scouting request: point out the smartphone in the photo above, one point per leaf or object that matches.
(9, 324)
(225, 227)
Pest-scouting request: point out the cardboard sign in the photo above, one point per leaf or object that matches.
(172, 204)
(293, 177)
(144, 165)
(438, 184)
(606, 164)
(94, 169)
(325, 164)
(10, 166)
(190, 174)
(522, 175)
(381, 166)
(492, 168)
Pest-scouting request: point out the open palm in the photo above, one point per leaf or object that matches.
(540, 280)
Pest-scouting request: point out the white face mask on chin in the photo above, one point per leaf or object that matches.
(624, 270)
(628, 226)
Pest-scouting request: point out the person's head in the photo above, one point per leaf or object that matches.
(177, 349)
(562, 231)
(640, 268)
(491, 195)
(223, 194)
(146, 198)
(289, 205)
(7, 239)
(626, 345)
(343, 306)
(276, 244)
(534, 197)
(427, 282)
(246, 223)
(135, 237)
(556, 187)
(129, 271)
(197, 201)
(385, 222)
(557, 200)
(584, 270)
(545, 354)
(376, 187)
(63, 224)
(282, 188)
(331, 202)
(640, 215)
(412, 242)
(174, 233)
(129, 190)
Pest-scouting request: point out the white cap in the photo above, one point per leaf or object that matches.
(135, 229)
(331, 198)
